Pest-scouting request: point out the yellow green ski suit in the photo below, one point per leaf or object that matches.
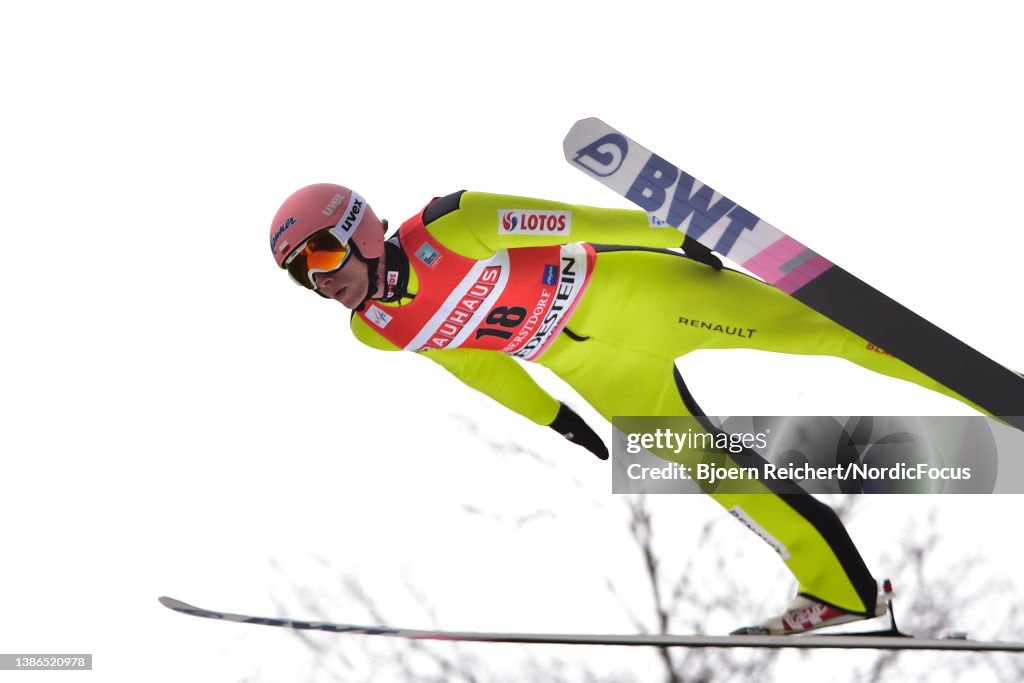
(642, 310)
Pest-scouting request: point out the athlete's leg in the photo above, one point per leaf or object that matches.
(670, 305)
(807, 534)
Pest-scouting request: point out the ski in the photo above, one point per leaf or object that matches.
(877, 640)
(671, 195)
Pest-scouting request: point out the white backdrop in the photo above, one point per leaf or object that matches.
(176, 413)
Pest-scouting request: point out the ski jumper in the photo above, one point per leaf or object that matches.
(493, 278)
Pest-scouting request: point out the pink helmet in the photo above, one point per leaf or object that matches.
(315, 207)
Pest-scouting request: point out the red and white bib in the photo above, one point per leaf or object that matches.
(517, 301)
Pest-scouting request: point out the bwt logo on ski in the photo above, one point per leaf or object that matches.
(523, 222)
(692, 206)
(603, 156)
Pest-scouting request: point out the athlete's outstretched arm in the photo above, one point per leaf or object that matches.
(499, 376)
(493, 373)
(503, 379)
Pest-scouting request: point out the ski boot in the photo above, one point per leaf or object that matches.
(806, 614)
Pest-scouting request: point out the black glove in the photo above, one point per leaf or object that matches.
(571, 426)
(698, 252)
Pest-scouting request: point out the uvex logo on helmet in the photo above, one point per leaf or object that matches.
(347, 225)
(526, 222)
(333, 205)
(280, 231)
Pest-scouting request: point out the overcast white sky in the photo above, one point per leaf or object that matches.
(176, 413)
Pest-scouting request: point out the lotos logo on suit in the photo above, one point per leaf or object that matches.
(530, 222)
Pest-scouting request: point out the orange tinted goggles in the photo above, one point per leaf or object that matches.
(321, 253)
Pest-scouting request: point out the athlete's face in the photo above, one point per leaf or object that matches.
(347, 284)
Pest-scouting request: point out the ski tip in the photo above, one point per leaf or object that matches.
(589, 121)
(581, 129)
(171, 603)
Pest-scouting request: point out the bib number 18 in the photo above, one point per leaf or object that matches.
(504, 316)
